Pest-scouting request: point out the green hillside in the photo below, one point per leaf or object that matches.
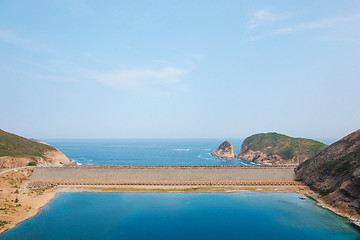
(16, 146)
(284, 146)
(226, 145)
(335, 174)
(337, 163)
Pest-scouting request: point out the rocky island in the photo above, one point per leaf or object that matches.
(274, 148)
(225, 150)
(16, 151)
(335, 174)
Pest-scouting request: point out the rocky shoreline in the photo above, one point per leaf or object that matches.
(335, 174)
(354, 220)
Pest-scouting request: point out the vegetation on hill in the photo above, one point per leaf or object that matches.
(335, 173)
(334, 165)
(280, 147)
(226, 145)
(16, 146)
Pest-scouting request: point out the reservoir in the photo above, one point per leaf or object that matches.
(237, 215)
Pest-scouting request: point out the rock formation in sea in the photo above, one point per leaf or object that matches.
(225, 150)
(274, 148)
(16, 151)
(335, 174)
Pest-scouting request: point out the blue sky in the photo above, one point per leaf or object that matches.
(179, 69)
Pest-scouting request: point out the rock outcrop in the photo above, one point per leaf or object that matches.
(335, 173)
(225, 150)
(16, 151)
(274, 149)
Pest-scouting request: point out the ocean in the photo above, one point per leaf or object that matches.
(139, 216)
(145, 151)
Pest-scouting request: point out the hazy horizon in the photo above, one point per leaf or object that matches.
(78, 69)
(327, 141)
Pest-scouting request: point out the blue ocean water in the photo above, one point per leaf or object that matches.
(243, 215)
(144, 151)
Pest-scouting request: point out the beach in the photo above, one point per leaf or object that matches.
(17, 202)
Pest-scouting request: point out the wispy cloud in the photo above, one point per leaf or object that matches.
(10, 37)
(36, 75)
(325, 23)
(263, 16)
(76, 6)
(345, 28)
(133, 78)
(122, 78)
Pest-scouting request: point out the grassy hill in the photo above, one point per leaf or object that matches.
(275, 147)
(16, 146)
(335, 173)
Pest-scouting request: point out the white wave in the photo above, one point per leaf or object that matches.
(199, 156)
(181, 149)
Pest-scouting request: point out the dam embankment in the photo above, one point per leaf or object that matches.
(164, 173)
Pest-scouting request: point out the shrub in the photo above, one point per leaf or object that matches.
(297, 179)
(32, 164)
(2, 223)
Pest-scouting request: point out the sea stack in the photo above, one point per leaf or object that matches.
(225, 150)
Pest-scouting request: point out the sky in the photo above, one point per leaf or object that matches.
(179, 69)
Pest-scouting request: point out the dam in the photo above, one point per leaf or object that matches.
(162, 175)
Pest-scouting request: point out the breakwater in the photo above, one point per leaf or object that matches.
(51, 183)
(162, 175)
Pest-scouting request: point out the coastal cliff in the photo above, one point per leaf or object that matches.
(275, 148)
(16, 151)
(225, 150)
(335, 174)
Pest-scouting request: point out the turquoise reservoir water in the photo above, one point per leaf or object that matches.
(175, 216)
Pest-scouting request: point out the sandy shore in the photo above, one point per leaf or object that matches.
(17, 203)
(30, 202)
